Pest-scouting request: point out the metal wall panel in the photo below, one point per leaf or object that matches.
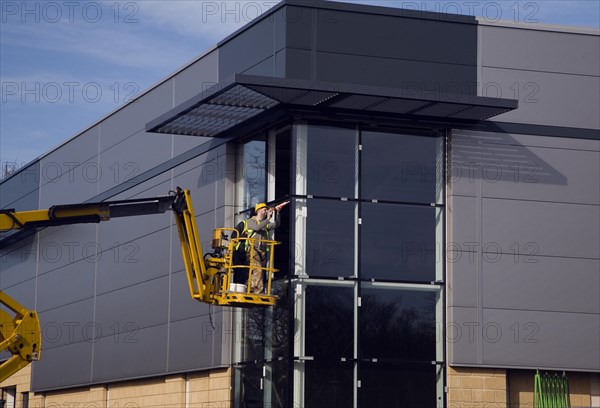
(462, 276)
(18, 263)
(130, 355)
(556, 229)
(181, 305)
(67, 325)
(463, 342)
(506, 168)
(535, 263)
(71, 174)
(121, 135)
(197, 77)
(417, 78)
(513, 48)
(136, 307)
(195, 343)
(132, 262)
(63, 367)
(545, 98)
(541, 339)
(397, 37)
(531, 282)
(23, 292)
(21, 191)
(69, 284)
(248, 48)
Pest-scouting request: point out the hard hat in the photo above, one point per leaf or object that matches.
(259, 206)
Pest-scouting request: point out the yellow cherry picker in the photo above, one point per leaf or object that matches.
(209, 276)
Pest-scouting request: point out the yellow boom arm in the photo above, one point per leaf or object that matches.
(210, 276)
(19, 334)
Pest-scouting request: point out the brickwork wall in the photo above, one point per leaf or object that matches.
(210, 389)
(92, 397)
(476, 388)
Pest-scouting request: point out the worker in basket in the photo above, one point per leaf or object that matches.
(254, 252)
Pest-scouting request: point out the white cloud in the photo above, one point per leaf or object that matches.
(209, 20)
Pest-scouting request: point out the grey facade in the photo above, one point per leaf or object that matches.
(512, 210)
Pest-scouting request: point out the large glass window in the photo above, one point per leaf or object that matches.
(329, 332)
(263, 384)
(330, 238)
(398, 167)
(328, 384)
(398, 242)
(398, 324)
(358, 322)
(252, 173)
(331, 161)
(398, 385)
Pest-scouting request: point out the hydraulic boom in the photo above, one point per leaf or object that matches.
(209, 276)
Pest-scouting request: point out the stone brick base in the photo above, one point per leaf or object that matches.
(476, 388)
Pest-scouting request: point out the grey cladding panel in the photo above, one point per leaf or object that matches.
(397, 37)
(417, 78)
(135, 307)
(463, 279)
(463, 223)
(463, 341)
(567, 284)
(125, 161)
(70, 173)
(266, 68)
(196, 78)
(469, 136)
(70, 324)
(541, 339)
(63, 367)
(134, 354)
(64, 245)
(247, 49)
(298, 63)
(68, 284)
(18, 263)
(134, 116)
(133, 262)
(21, 191)
(194, 343)
(552, 229)
(299, 27)
(515, 48)
(182, 306)
(24, 293)
(545, 98)
(511, 170)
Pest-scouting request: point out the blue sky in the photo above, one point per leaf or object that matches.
(66, 64)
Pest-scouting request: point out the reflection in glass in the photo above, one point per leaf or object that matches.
(331, 158)
(398, 242)
(396, 167)
(397, 324)
(253, 173)
(329, 322)
(328, 384)
(259, 385)
(265, 331)
(330, 238)
(385, 385)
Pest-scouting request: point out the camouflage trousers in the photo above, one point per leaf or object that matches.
(257, 261)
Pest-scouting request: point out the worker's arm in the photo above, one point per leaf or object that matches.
(265, 224)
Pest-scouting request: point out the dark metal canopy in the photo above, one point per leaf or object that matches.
(243, 97)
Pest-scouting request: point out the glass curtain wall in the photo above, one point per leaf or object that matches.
(368, 285)
(262, 335)
(359, 322)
